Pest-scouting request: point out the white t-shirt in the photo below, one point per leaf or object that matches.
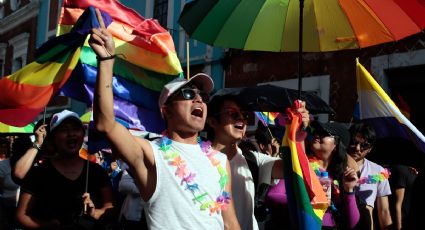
(172, 206)
(369, 192)
(243, 191)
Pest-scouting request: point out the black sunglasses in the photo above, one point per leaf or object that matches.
(236, 115)
(363, 145)
(190, 94)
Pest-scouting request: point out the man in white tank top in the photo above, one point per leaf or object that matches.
(184, 184)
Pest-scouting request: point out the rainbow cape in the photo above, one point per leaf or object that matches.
(306, 199)
(377, 109)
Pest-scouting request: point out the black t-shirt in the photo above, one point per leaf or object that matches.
(402, 177)
(57, 197)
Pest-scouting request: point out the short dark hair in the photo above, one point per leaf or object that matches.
(214, 107)
(367, 131)
(262, 135)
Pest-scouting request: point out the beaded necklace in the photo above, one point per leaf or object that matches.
(203, 199)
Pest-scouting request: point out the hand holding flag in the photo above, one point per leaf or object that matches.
(101, 39)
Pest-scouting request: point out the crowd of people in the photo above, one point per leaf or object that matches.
(183, 180)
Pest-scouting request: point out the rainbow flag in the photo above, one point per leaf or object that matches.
(25, 93)
(267, 118)
(378, 110)
(148, 60)
(306, 199)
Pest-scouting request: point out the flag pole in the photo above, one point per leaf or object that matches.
(187, 58)
(44, 115)
(86, 189)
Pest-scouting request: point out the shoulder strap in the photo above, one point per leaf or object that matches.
(252, 164)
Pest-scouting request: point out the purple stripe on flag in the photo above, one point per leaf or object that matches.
(124, 89)
(137, 117)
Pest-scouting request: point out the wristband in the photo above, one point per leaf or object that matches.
(105, 58)
(36, 146)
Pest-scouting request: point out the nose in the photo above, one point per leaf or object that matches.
(198, 98)
(357, 148)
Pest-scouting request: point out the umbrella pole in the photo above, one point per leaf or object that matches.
(300, 50)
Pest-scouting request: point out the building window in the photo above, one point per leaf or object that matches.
(17, 64)
(14, 4)
(1, 11)
(3, 47)
(1, 68)
(20, 50)
(160, 12)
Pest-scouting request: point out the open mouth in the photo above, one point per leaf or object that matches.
(72, 143)
(239, 125)
(198, 112)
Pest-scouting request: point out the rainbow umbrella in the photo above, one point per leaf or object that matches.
(276, 25)
(273, 25)
(13, 129)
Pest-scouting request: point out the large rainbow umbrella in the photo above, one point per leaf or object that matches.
(325, 25)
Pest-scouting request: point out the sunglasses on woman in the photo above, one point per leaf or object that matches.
(190, 94)
(236, 115)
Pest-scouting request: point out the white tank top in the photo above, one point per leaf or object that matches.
(171, 205)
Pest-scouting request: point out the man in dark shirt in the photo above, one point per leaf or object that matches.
(401, 181)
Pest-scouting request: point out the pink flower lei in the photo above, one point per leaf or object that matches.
(204, 199)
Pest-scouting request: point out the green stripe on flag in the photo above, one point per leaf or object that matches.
(149, 79)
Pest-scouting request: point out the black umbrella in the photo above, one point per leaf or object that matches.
(271, 98)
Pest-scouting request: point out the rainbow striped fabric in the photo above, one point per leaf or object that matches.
(378, 110)
(306, 199)
(26, 92)
(148, 61)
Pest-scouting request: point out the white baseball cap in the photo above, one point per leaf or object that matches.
(58, 118)
(200, 80)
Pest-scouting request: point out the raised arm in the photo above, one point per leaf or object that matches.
(24, 164)
(136, 152)
(351, 210)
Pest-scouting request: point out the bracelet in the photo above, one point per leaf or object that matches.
(105, 58)
(36, 146)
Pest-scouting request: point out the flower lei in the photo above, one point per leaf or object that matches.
(370, 179)
(375, 178)
(187, 177)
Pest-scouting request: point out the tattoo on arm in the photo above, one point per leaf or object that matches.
(108, 86)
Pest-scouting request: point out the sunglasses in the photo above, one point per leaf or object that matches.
(190, 94)
(363, 145)
(236, 115)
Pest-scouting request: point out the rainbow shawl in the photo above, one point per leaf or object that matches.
(377, 109)
(148, 61)
(306, 199)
